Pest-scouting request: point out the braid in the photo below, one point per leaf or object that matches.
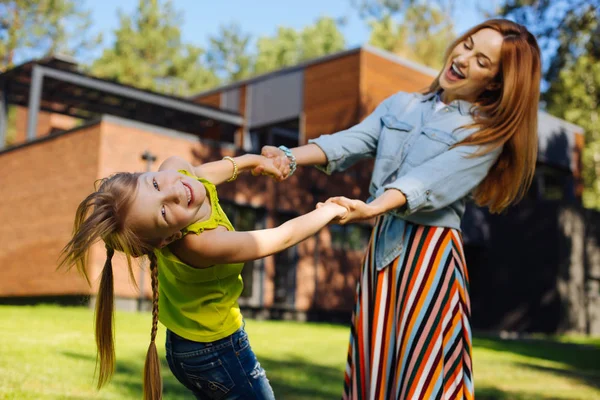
(154, 280)
(152, 378)
(105, 322)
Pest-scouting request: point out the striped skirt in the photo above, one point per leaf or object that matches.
(410, 336)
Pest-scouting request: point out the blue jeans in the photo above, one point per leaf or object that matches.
(225, 369)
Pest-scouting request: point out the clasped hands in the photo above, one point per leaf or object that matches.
(356, 210)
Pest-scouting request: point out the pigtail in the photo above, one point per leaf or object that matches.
(105, 322)
(152, 378)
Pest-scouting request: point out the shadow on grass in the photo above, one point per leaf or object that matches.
(296, 378)
(299, 379)
(293, 379)
(491, 393)
(581, 361)
(129, 379)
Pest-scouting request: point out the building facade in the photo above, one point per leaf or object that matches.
(53, 164)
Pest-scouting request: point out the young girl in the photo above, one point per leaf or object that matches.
(173, 217)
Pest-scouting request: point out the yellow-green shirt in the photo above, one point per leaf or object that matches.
(200, 304)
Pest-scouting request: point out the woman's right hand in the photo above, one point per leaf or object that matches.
(279, 158)
(339, 210)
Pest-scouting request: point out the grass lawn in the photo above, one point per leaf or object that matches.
(48, 352)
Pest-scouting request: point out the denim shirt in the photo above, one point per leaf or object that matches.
(411, 143)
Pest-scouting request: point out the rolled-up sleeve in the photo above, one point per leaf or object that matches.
(343, 149)
(444, 179)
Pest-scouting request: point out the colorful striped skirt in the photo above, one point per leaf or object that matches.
(410, 336)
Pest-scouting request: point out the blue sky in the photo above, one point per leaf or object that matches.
(202, 18)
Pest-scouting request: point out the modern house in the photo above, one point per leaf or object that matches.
(72, 129)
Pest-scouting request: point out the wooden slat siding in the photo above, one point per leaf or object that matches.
(331, 95)
(242, 111)
(213, 99)
(380, 78)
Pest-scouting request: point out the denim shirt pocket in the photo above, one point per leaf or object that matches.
(394, 133)
(429, 143)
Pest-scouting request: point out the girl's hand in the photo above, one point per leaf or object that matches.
(279, 158)
(340, 211)
(356, 210)
(268, 166)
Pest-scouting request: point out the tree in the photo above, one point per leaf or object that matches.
(148, 53)
(31, 29)
(289, 47)
(279, 51)
(422, 34)
(228, 54)
(574, 96)
(378, 9)
(320, 39)
(414, 29)
(569, 35)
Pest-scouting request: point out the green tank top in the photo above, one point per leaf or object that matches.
(200, 304)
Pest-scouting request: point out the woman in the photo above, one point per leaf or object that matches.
(473, 132)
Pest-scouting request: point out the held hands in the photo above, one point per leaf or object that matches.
(339, 211)
(356, 210)
(279, 159)
(268, 166)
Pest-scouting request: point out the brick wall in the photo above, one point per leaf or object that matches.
(42, 183)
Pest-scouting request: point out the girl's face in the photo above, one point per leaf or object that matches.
(165, 203)
(472, 66)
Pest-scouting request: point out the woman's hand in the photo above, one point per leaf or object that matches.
(268, 166)
(280, 161)
(340, 211)
(356, 210)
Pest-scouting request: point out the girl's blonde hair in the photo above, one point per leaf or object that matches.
(101, 216)
(507, 115)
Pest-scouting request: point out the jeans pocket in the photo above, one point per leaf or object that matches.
(210, 378)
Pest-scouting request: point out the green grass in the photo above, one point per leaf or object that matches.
(48, 352)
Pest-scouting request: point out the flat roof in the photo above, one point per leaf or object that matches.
(319, 60)
(65, 90)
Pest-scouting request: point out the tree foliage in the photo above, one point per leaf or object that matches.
(289, 46)
(33, 29)
(416, 30)
(148, 53)
(569, 35)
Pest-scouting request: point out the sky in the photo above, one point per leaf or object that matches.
(202, 18)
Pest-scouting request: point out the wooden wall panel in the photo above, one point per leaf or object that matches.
(212, 99)
(331, 95)
(381, 77)
(242, 111)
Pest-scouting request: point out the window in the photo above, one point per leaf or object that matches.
(285, 270)
(554, 183)
(285, 133)
(350, 237)
(245, 218)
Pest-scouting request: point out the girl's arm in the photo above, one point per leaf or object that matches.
(219, 246)
(220, 171)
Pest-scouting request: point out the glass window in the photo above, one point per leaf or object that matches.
(285, 270)
(245, 218)
(285, 133)
(350, 237)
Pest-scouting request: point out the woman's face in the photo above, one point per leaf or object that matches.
(472, 66)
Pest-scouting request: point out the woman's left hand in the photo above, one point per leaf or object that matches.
(357, 210)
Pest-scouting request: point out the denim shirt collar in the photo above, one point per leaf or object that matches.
(464, 107)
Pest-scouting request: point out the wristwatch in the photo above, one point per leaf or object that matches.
(291, 157)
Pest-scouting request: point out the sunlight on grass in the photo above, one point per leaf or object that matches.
(48, 352)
